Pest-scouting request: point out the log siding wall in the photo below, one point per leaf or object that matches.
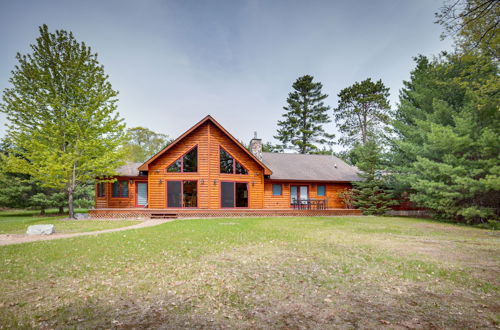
(209, 139)
(283, 201)
(118, 202)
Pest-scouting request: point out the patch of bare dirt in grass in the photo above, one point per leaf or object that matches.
(480, 259)
(262, 286)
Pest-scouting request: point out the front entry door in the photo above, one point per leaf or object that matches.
(141, 194)
(299, 194)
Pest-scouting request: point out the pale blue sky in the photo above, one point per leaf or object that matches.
(176, 61)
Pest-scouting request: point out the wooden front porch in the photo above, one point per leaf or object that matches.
(144, 213)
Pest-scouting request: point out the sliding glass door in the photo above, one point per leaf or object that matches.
(234, 194)
(182, 194)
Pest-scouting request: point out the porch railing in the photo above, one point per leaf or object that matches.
(309, 204)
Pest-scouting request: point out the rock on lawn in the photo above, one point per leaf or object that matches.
(41, 230)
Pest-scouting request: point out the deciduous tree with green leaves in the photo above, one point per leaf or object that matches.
(142, 143)
(304, 117)
(62, 117)
(363, 112)
(474, 24)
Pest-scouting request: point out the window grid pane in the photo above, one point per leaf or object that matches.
(190, 193)
(226, 162)
(101, 189)
(241, 194)
(174, 193)
(227, 194)
(277, 189)
(175, 167)
(116, 189)
(240, 169)
(321, 190)
(190, 161)
(124, 188)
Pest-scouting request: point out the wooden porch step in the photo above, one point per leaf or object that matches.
(163, 215)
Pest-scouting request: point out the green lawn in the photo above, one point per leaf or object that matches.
(16, 222)
(347, 272)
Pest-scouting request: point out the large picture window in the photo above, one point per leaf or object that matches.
(120, 188)
(321, 190)
(229, 165)
(187, 163)
(234, 194)
(182, 194)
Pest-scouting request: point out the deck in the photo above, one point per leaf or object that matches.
(144, 213)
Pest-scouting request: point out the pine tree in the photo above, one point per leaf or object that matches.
(363, 112)
(62, 115)
(371, 195)
(448, 133)
(302, 126)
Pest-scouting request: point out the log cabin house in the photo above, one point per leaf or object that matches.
(207, 172)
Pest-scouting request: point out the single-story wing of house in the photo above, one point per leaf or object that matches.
(208, 172)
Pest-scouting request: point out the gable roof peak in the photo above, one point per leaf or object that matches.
(144, 166)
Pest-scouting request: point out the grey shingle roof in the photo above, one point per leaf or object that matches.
(309, 167)
(129, 169)
(290, 167)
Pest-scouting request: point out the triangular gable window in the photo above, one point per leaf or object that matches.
(229, 165)
(187, 163)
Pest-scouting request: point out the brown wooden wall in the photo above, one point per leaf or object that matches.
(118, 202)
(283, 201)
(208, 138)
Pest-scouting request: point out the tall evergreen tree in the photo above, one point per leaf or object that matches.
(363, 112)
(448, 129)
(302, 126)
(62, 115)
(371, 195)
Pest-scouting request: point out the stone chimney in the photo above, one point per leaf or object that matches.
(256, 146)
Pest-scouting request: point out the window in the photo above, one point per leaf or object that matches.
(175, 167)
(182, 194)
(120, 188)
(174, 192)
(277, 189)
(241, 190)
(229, 165)
(226, 162)
(234, 194)
(101, 189)
(190, 161)
(321, 190)
(239, 169)
(190, 194)
(187, 163)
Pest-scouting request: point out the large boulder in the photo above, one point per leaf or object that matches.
(82, 216)
(41, 230)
